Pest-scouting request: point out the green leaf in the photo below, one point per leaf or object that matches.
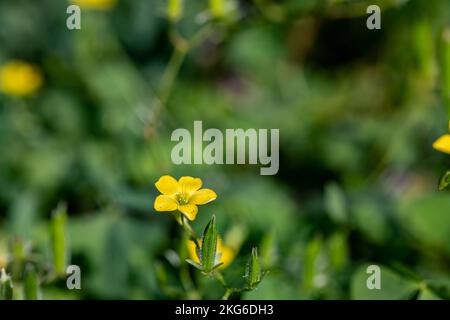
(209, 246)
(253, 271)
(6, 286)
(444, 181)
(314, 264)
(427, 294)
(427, 219)
(23, 214)
(393, 286)
(338, 250)
(58, 234)
(440, 286)
(268, 252)
(370, 218)
(335, 203)
(30, 283)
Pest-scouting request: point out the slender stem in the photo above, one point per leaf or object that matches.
(221, 280)
(227, 294)
(181, 49)
(228, 290)
(187, 227)
(171, 72)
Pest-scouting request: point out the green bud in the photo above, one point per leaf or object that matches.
(209, 247)
(335, 203)
(253, 271)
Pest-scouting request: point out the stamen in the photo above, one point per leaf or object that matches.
(182, 198)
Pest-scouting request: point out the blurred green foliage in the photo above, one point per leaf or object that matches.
(357, 110)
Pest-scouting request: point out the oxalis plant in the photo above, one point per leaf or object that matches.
(208, 254)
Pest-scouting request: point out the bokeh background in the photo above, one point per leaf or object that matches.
(358, 111)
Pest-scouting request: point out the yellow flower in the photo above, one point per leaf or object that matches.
(175, 9)
(443, 143)
(18, 78)
(183, 195)
(3, 259)
(95, 4)
(226, 254)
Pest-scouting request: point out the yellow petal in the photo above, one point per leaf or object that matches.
(3, 262)
(167, 185)
(165, 203)
(189, 185)
(443, 144)
(203, 196)
(226, 254)
(192, 250)
(189, 210)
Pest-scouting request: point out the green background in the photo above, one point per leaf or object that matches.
(357, 109)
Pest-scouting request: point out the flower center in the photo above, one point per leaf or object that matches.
(182, 199)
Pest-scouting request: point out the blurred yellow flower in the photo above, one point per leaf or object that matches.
(183, 195)
(174, 9)
(18, 78)
(443, 143)
(95, 4)
(226, 254)
(3, 259)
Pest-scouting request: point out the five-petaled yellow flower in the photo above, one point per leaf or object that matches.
(443, 143)
(19, 79)
(224, 254)
(95, 4)
(183, 195)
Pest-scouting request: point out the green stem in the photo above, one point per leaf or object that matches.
(227, 294)
(188, 229)
(181, 49)
(228, 290)
(171, 72)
